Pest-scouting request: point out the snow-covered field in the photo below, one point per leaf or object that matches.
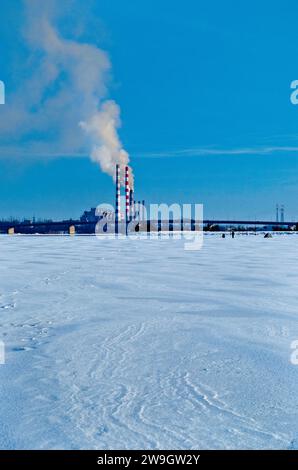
(141, 344)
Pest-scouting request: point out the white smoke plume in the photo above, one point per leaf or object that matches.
(61, 107)
(107, 148)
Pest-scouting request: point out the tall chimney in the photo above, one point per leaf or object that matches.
(118, 198)
(131, 204)
(127, 211)
(282, 214)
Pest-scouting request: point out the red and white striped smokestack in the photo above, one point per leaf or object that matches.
(127, 198)
(118, 197)
(131, 205)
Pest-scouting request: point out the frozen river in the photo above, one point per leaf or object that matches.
(141, 344)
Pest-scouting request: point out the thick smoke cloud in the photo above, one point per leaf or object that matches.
(107, 149)
(61, 106)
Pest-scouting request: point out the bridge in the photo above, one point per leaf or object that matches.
(83, 227)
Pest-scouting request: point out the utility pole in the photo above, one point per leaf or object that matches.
(282, 214)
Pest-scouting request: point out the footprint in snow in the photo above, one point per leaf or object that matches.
(7, 306)
(22, 348)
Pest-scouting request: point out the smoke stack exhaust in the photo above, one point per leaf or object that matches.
(131, 204)
(118, 198)
(127, 205)
(129, 196)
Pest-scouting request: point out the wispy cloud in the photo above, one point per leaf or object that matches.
(206, 151)
(39, 150)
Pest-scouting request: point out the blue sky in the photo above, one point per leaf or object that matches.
(204, 92)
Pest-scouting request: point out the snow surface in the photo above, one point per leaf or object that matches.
(141, 344)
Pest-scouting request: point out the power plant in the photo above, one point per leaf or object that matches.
(133, 210)
(130, 215)
(129, 198)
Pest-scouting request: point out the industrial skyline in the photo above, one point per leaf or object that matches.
(129, 215)
(205, 110)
